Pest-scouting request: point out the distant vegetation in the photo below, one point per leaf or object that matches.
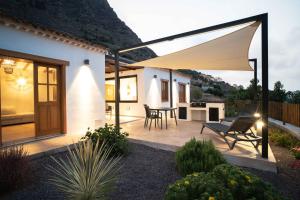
(202, 83)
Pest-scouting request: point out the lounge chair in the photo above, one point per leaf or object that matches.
(239, 127)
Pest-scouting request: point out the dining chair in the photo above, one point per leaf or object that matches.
(150, 115)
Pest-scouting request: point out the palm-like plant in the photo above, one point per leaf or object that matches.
(88, 173)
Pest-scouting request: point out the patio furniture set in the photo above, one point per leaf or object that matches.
(156, 114)
(239, 130)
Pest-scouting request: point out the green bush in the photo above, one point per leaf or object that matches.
(230, 111)
(198, 156)
(243, 184)
(283, 139)
(197, 186)
(224, 182)
(112, 137)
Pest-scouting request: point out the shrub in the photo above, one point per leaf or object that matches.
(283, 139)
(88, 173)
(224, 182)
(198, 156)
(112, 137)
(197, 186)
(15, 168)
(244, 185)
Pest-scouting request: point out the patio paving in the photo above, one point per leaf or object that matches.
(244, 154)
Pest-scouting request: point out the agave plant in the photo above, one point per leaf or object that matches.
(88, 172)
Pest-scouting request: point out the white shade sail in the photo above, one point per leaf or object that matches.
(229, 52)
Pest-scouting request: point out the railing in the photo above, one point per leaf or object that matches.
(286, 112)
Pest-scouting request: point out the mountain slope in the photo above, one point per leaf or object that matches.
(92, 20)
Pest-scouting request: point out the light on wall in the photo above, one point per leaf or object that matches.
(175, 80)
(8, 65)
(259, 124)
(86, 62)
(155, 76)
(21, 81)
(257, 115)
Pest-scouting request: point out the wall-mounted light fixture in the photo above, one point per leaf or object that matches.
(155, 76)
(188, 83)
(175, 80)
(86, 62)
(8, 65)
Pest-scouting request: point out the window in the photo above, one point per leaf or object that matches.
(182, 93)
(128, 89)
(164, 90)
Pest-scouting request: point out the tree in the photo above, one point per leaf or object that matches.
(278, 93)
(196, 93)
(216, 90)
(296, 98)
(252, 93)
(293, 97)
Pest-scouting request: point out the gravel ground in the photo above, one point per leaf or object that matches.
(147, 172)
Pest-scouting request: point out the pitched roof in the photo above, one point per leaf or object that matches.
(90, 20)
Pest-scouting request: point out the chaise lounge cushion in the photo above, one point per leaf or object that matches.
(218, 127)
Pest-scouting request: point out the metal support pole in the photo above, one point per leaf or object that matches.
(117, 91)
(265, 87)
(171, 90)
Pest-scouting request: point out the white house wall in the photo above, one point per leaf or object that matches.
(149, 90)
(153, 87)
(132, 109)
(84, 85)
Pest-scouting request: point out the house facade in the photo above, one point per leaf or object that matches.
(53, 84)
(149, 86)
(46, 86)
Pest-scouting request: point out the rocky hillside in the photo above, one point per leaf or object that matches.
(92, 20)
(208, 83)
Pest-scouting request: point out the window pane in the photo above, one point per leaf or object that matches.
(43, 93)
(52, 73)
(110, 90)
(42, 74)
(182, 96)
(164, 90)
(128, 89)
(52, 93)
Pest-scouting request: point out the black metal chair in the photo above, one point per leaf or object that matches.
(241, 126)
(150, 115)
(108, 110)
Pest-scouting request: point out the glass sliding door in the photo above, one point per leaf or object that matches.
(17, 99)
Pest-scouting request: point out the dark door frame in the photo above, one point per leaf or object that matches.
(263, 18)
(36, 98)
(62, 64)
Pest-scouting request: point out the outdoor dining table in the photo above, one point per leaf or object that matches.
(166, 110)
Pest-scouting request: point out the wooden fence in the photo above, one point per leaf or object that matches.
(286, 112)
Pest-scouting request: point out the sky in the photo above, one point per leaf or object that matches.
(159, 18)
